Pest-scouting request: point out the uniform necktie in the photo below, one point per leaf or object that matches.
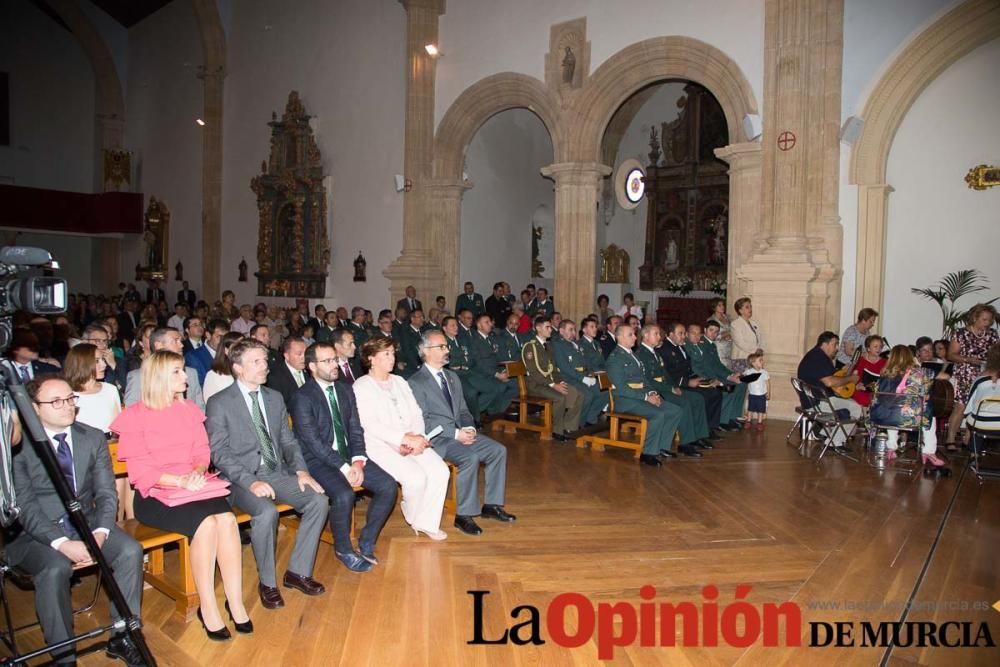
(339, 434)
(26, 377)
(65, 458)
(266, 444)
(445, 390)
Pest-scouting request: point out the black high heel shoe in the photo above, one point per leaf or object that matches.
(222, 635)
(245, 628)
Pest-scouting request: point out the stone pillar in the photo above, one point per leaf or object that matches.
(105, 252)
(444, 207)
(792, 275)
(418, 263)
(211, 184)
(578, 190)
(744, 209)
(873, 204)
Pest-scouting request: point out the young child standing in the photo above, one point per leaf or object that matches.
(758, 392)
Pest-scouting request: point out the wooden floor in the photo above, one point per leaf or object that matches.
(753, 511)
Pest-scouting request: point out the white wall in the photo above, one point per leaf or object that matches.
(483, 37)
(936, 223)
(503, 161)
(51, 102)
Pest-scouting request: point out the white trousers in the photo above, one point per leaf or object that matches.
(424, 479)
(930, 439)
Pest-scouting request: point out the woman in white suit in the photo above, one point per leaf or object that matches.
(394, 438)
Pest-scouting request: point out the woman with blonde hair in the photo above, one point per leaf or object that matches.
(747, 337)
(163, 442)
(910, 407)
(394, 438)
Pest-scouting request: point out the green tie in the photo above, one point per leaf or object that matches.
(266, 445)
(339, 435)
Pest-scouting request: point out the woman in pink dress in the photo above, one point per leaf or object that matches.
(967, 350)
(163, 442)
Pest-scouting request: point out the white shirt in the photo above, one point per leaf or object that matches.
(27, 366)
(297, 375)
(56, 543)
(214, 383)
(333, 445)
(759, 386)
(625, 311)
(100, 408)
(177, 322)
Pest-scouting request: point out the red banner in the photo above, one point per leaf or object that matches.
(59, 211)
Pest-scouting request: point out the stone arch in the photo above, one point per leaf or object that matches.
(646, 62)
(954, 35)
(485, 98)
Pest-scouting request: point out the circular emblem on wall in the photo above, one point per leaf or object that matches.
(786, 141)
(630, 184)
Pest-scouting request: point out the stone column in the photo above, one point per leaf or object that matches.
(211, 183)
(105, 254)
(578, 189)
(873, 204)
(417, 264)
(792, 275)
(744, 209)
(444, 207)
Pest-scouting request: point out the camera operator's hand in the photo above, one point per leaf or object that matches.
(75, 550)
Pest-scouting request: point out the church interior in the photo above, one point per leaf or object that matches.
(819, 160)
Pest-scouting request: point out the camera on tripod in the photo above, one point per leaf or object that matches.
(39, 295)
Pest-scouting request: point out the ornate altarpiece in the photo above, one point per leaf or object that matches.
(687, 188)
(293, 252)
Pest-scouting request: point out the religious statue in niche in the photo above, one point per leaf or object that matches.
(537, 268)
(614, 264)
(155, 242)
(359, 268)
(687, 194)
(568, 66)
(242, 268)
(293, 251)
(179, 272)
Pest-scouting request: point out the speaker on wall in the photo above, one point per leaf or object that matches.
(851, 130)
(752, 126)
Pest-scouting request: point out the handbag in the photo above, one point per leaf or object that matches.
(174, 496)
(888, 410)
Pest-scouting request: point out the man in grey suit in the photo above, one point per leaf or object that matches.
(48, 546)
(439, 394)
(254, 448)
(165, 338)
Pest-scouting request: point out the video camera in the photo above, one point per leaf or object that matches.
(40, 295)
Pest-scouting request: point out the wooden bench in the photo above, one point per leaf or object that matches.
(516, 370)
(180, 587)
(618, 423)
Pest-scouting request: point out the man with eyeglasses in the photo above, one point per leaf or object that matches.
(165, 338)
(194, 334)
(98, 336)
(48, 546)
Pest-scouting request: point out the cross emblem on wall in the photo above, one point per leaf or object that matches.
(786, 141)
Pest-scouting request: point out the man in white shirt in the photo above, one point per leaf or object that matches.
(245, 321)
(180, 314)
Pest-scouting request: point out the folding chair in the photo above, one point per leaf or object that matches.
(804, 421)
(893, 401)
(826, 419)
(984, 425)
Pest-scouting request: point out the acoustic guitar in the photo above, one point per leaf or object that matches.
(847, 390)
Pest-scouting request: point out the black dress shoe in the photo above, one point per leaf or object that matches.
(245, 628)
(729, 428)
(735, 425)
(467, 525)
(650, 460)
(302, 583)
(121, 647)
(690, 450)
(703, 444)
(559, 437)
(222, 635)
(353, 561)
(270, 598)
(497, 512)
(713, 437)
(667, 454)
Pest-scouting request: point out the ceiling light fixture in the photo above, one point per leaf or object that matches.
(199, 121)
(432, 50)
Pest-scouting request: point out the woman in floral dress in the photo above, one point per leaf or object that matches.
(967, 351)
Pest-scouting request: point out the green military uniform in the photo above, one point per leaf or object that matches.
(473, 302)
(464, 335)
(494, 395)
(407, 357)
(570, 362)
(508, 345)
(458, 361)
(693, 424)
(706, 363)
(630, 391)
(542, 372)
(360, 336)
(536, 308)
(593, 356)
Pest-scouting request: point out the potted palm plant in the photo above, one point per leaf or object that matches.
(950, 289)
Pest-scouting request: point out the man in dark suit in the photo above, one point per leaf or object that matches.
(254, 448)
(23, 351)
(289, 373)
(333, 442)
(131, 293)
(498, 306)
(186, 295)
(325, 332)
(128, 319)
(410, 302)
(607, 339)
(348, 365)
(438, 392)
(470, 299)
(357, 326)
(202, 358)
(262, 334)
(48, 546)
(155, 293)
(679, 369)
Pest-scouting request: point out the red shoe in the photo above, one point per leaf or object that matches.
(760, 426)
(890, 455)
(747, 425)
(932, 459)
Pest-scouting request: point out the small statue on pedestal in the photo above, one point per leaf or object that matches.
(243, 270)
(359, 268)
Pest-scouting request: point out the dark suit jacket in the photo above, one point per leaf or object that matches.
(314, 425)
(42, 368)
(186, 296)
(155, 295)
(41, 508)
(431, 400)
(677, 363)
(356, 371)
(125, 327)
(233, 439)
(280, 379)
(405, 303)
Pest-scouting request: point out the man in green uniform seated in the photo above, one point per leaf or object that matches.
(408, 359)
(572, 366)
(496, 389)
(470, 300)
(633, 396)
(706, 363)
(458, 361)
(508, 341)
(593, 356)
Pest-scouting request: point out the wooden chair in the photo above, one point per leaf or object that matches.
(451, 501)
(179, 587)
(516, 370)
(617, 423)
